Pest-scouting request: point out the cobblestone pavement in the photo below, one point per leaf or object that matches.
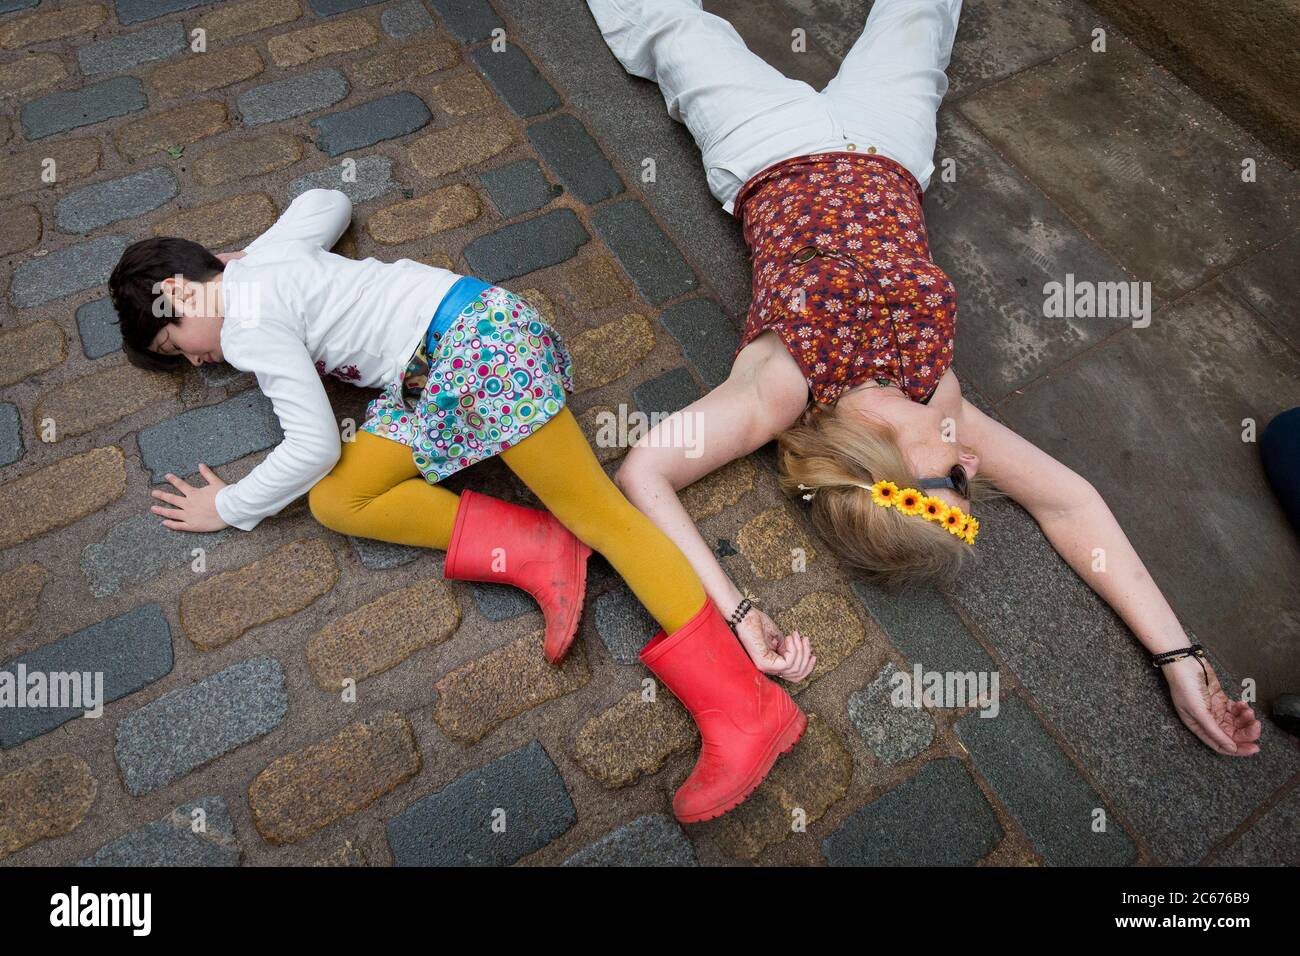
(524, 164)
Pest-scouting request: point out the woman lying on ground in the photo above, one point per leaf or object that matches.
(846, 354)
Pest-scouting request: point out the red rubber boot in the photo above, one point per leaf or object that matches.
(746, 720)
(494, 540)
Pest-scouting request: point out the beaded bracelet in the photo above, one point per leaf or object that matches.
(1194, 650)
(739, 613)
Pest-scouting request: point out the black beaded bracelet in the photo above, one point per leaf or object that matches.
(739, 613)
(1193, 650)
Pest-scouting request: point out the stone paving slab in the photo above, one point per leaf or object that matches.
(119, 655)
(185, 728)
(1065, 818)
(646, 841)
(1002, 241)
(1089, 120)
(200, 833)
(492, 816)
(996, 38)
(937, 818)
(1273, 841)
(1089, 677)
(1156, 397)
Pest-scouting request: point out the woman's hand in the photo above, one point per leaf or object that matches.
(1224, 725)
(229, 256)
(196, 508)
(773, 652)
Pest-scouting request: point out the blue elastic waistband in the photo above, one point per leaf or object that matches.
(465, 291)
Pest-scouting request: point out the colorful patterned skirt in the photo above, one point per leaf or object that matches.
(495, 375)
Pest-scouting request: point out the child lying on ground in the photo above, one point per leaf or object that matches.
(485, 376)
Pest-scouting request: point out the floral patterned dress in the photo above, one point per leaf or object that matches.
(497, 374)
(842, 273)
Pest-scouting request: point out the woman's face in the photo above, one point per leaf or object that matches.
(935, 459)
(930, 439)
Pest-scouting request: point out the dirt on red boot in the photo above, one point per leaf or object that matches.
(746, 720)
(494, 540)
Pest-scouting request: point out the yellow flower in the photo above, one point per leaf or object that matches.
(909, 501)
(969, 534)
(954, 520)
(934, 509)
(884, 493)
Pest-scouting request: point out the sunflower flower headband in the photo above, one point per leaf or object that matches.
(911, 502)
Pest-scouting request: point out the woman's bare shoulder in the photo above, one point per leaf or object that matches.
(776, 378)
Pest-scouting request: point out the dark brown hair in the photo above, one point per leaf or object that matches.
(133, 289)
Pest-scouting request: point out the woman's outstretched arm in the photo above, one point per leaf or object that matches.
(1082, 529)
(742, 414)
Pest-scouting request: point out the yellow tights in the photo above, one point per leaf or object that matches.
(376, 491)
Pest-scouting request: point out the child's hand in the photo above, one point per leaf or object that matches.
(196, 508)
(772, 651)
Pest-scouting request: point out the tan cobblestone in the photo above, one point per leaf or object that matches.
(171, 128)
(246, 159)
(61, 493)
(590, 422)
(439, 260)
(773, 543)
(53, 24)
(31, 348)
(20, 596)
(594, 283)
(477, 697)
(323, 39)
(303, 792)
(381, 634)
(31, 74)
(434, 212)
(73, 160)
(44, 799)
(459, 147)
(462, 95)
(223, 607)
(399, 66)
(20, 229)
(831, 625)
(609, 352)
(219, 224)
(217, 69)
(239, 19)
(719, 490)
(802, 786)
(84, 404)
(540, 301)
(634, 737)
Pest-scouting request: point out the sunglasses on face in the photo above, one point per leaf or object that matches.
(957, 480)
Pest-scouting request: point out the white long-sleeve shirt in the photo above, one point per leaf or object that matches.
(294, 311)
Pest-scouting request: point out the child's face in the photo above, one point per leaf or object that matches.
(195, 331)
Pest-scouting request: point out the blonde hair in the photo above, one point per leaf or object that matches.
(832, 454)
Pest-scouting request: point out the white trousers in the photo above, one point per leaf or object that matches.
(746, 115)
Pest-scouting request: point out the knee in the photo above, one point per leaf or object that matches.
(330, 504)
